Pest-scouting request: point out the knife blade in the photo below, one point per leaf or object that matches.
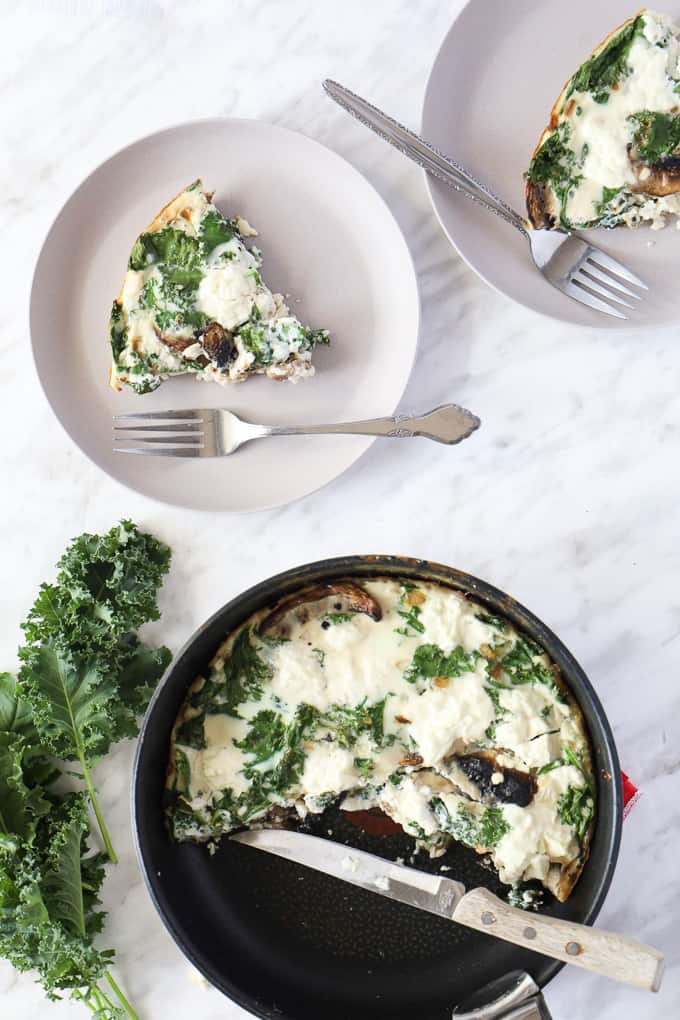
(419, 889)
(615, 956)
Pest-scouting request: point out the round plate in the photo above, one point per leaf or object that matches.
(291, 944)
(328, 240)
(495, 78)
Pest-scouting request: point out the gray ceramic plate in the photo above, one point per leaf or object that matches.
(328, 240)
(493, 83)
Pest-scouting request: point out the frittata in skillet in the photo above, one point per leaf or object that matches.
(401, 695)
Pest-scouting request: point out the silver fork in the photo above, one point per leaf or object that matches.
(567, 261)
(213, 432)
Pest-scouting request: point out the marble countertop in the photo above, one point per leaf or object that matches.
(567, 498)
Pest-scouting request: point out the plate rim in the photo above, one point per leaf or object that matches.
(607, 323)
(221, 119)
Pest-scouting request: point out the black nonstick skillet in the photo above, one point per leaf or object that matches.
(290, 944)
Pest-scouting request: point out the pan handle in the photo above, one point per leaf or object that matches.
(614, 956)
(515, 996)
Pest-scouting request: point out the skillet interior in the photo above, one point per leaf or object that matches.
(286, 942)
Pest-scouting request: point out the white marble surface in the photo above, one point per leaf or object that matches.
(568, 497)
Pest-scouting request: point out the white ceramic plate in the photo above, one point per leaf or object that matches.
(328, 240)
(497, 74)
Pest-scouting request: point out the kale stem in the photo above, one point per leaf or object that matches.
(98, 999)
(121, 998)
(95, 807)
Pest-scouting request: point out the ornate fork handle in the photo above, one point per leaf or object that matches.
(446, 424)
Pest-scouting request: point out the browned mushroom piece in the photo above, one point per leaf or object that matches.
(177, 344)
(516, 787)
(349, 598)
(218, 344)
(278, 818)
(539, 203)
(657, 179)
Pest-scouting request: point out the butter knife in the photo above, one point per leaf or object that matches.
(614, 956)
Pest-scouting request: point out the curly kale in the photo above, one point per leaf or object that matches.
(85, 675)
(49, 885)
(85, 678)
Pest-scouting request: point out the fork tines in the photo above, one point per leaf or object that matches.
(178, 433)
(600, 281)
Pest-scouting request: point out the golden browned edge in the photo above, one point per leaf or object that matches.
(539, 197)
(157, 223)
(570, 873)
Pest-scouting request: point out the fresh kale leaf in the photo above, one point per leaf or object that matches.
(48, 911)
(106, 586)
(85, 675)
(15, 714)
(139, 668)
(84, 678)
(20, 806)
(68, 700)
(61, 884)
(70, 703)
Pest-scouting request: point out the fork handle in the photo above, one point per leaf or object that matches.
(425, 155)
(446, 424)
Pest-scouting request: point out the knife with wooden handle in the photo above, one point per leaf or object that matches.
(614, 956)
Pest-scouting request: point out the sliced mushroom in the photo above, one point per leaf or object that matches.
(515, 787)
(540, 205)
(349, 598)
(657, 179)
(177, 344)
(218, 344)
(278, 818)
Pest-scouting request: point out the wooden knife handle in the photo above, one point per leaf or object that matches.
(614, 956)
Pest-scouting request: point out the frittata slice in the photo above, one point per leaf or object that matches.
(193, 301)
(610, 155)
